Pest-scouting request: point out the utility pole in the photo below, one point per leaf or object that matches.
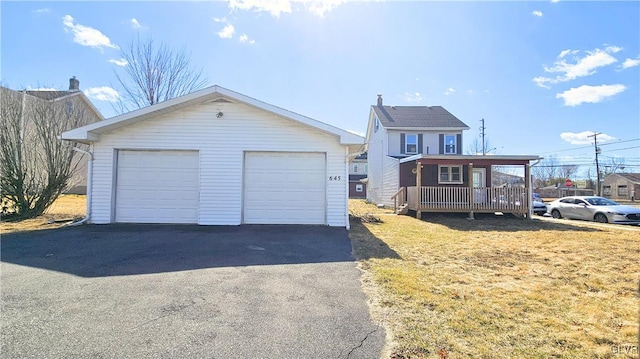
(482, 128)
(595, 144)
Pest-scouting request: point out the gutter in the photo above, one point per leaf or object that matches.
(89, 185)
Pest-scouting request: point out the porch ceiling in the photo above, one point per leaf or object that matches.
(476, 160)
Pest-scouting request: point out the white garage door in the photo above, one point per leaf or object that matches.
(157, 187)
(284, 188)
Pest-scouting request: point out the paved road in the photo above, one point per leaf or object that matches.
(142, 291)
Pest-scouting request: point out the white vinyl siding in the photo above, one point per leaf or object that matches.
(157, 187)
(284, 188)
(221, 143)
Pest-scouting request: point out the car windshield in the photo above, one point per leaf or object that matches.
(599, 201)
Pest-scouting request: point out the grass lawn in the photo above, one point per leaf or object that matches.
(499, 287)
(65, 209)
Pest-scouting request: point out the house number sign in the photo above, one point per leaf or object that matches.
(334, 178)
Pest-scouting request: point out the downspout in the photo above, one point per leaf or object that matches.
(89, 185)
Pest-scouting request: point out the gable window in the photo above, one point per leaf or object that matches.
(411, 144)
(450, 174)
(450, 144)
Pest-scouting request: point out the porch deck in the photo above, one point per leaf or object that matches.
(514, 200)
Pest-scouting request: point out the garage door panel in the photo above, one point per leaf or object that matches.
(284, 188)
(157, 187)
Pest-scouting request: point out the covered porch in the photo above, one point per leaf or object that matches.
(460, 183)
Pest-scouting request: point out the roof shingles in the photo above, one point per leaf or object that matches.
(417, 116)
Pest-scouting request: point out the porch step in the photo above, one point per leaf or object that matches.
(404, 209)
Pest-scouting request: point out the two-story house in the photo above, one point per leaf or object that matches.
(61, 106)
(358, 169)
(415, 161)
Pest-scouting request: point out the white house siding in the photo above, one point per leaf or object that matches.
(391, 179)
(221, 143)
(376, 154)
(430, 141)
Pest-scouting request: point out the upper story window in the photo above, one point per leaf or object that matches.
(366, 168)
(411, 144)
(450, 174)
(376, 124)
(355, 168)
(450, 144)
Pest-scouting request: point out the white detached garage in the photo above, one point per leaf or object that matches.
(216, 157)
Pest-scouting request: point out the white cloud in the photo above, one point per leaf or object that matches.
(220, 19)
(227, 32)
(135, 24)
(589, 94)
(582, 67)
(103, 93)
(122, 62)
(555, 1)
(42, 11)
(274, 7)
(245, 38)
(278, 7)
(85, 35)
(537, 13)
(582, 138)
(450, 91)
(29, 88)
(630, 63)
(319, 8)
(412, 97)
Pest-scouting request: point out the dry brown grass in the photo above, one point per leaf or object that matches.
(499, 287)
(64, 210)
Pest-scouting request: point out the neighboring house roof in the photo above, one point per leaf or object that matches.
(50, 95)
(59, 95)
(362, 156)
(417, 117)
(356, 178)
(633, 177)
(91, 133)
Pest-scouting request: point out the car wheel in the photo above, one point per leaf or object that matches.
(556, 214)
(600, 218)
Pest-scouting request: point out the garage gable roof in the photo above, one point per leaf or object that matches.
(91, 133)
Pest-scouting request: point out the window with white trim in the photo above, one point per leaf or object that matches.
(450, 174)
(623, 191)
(450, 144)
(359, 188)
(411, 144)
(366, 168)
(355, 168)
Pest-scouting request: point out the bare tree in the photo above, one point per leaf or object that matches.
(547, 172)
(476, 147)
(155, 73)
(35, 166)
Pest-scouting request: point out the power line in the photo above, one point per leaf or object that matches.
(583, 147)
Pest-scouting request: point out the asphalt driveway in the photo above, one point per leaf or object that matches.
(140, 291)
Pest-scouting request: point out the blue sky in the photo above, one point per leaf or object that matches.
(543, 75)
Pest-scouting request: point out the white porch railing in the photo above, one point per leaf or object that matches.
(463, 199)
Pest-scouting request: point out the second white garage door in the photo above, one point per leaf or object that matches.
(284, 188)
(157, 187)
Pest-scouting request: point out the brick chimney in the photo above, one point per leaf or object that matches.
(380, 99)
(74, 84)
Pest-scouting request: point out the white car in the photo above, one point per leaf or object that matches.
(592, 208)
